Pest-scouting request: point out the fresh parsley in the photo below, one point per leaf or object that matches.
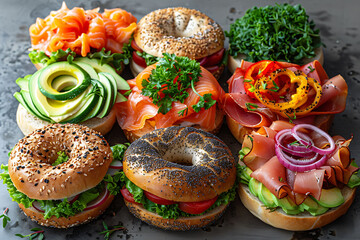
(169, 83)
(107, 232)
(311, 69)
(280, 32)
(5, 217)
(37, 233)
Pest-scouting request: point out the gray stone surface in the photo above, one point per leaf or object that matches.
(339, 24)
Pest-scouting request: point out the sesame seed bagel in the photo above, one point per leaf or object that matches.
(180, 31)
(181, 164)
(179, 224)
(30, 161)
(67, 222)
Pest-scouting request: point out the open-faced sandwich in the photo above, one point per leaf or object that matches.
(265, 91)
(282, 32)
(174, 91)
(296, 177)
(79, 54)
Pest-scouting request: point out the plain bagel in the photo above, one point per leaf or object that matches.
(30, 161)
(182, 164)
(182, 31)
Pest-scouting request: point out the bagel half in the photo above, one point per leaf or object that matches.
(235, 62)
(179, 224)
(28, 122)
(300, 222)
(66, 222)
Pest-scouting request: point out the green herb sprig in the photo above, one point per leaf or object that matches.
(107, 232)
(5, 217)
(281, 32)
(169, 82)
(37, 233)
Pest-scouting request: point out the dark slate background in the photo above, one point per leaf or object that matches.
(339, 25)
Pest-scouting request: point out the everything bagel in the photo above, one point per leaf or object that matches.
(30, 161)
(181, 31)
(180, 165)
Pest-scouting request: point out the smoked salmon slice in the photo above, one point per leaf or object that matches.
(82, 30)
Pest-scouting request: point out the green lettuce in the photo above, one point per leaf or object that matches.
(62, 157)
(119, 151)
(149, 59)
(40, 57)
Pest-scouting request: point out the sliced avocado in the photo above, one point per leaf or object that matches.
(254, 186)
(120, 98)
(89, 69)
(80, 114)
(285, 202)
(63, 82)
(293, 211)
(23, 83)
(320, 210)
(23, 98)
(52, 71)
(310, 205)
(102, 92)
(110, 93)
(266, 197)
(331, 198)
(247, 172)
(95, 63)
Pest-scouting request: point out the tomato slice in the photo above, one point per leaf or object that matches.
(139, 60)
(135, 46)
(196, 207)
(212, 60)
(158, 200)
(128, 196)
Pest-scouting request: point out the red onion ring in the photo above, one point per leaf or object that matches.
(116, 165)
(312, 157)
(328, 150)
(37, 206)
(100, 200)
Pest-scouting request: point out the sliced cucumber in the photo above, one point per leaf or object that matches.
(23, 83)
(108, 81)
(102, 92)
(52, 71)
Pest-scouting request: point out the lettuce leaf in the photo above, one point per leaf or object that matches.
(114, 183)
(16, 196)
(149, 59)
(61, 158)
(119, 151)
(37, 56)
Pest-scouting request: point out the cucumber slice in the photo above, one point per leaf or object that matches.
(254, 186)
(331, 198)
(52, 71)
(20, 96)
(23, 83)
(121, 83)
(266, 197)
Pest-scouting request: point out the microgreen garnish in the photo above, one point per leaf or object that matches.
(294, 143)
(251, 106)
(108, 231)
(183, 112)
(275, 32)
(290, 118)
(281, 179)
(37, 233)
(263, 85)
(311, 68)
(170, 80)
(127, 93)
(252, 88)
(275, 88)
(5, 217)
(247, 80)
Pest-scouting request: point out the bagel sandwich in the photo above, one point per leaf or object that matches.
(294, 188)
(176, 91)
(280, 33)
(180, 31)
(63, 182)
(169, 181)
(263, 92)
